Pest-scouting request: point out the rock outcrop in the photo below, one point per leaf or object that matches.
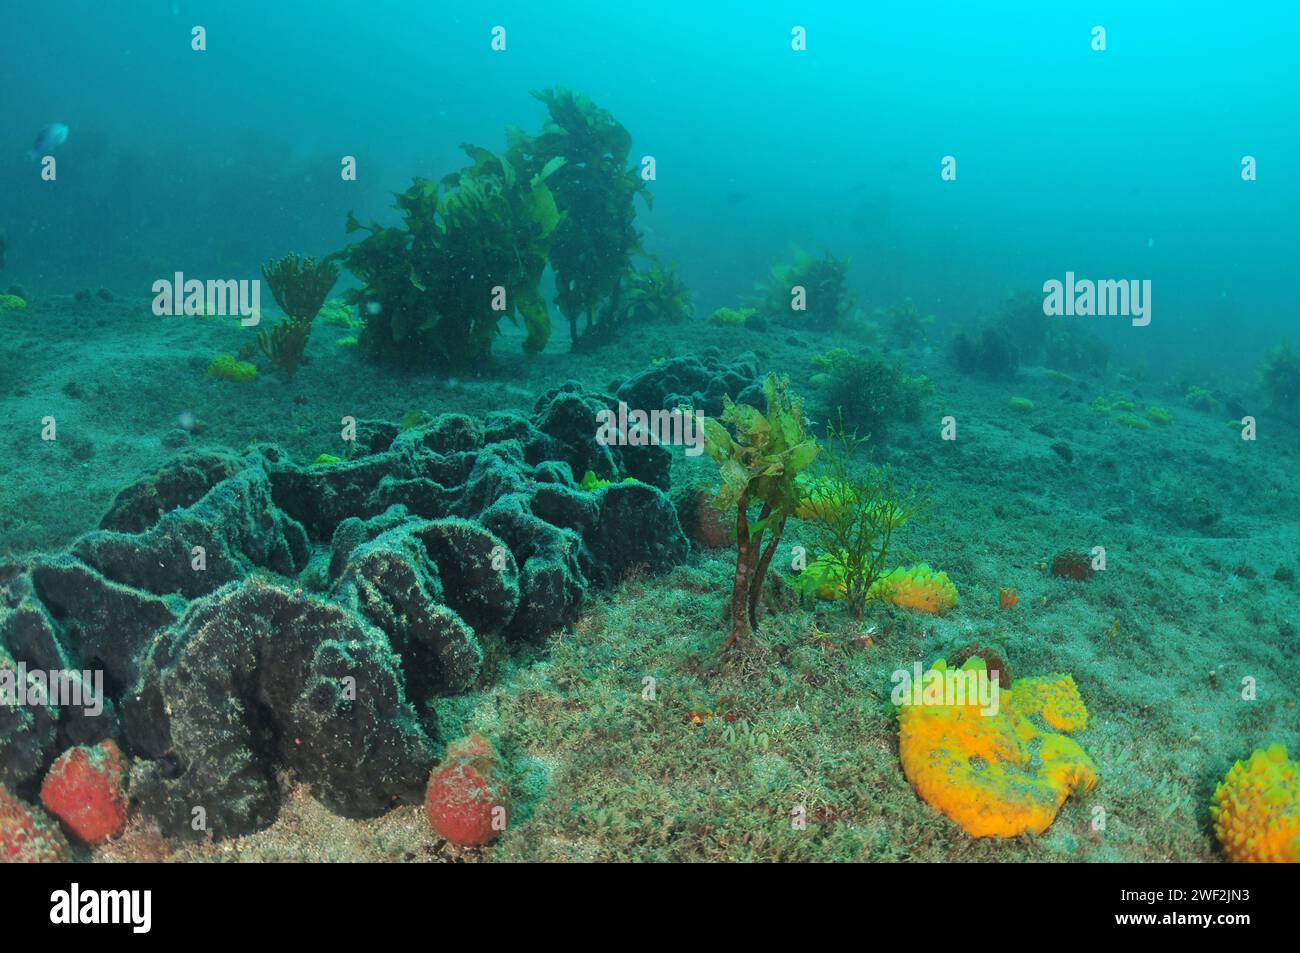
(225, 660)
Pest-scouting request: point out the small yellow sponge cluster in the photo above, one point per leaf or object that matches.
(823, 577)
(996, 773)
(229, 368)
(821, 498)
(1256, 810)
(1055, 698)
(917, 588)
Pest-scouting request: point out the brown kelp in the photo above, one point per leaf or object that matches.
(470, 250)
(594, 187)
(300, 286)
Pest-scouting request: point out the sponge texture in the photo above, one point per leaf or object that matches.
(997, 774)
(1256, 810)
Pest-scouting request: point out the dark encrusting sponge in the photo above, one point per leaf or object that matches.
(446, 545)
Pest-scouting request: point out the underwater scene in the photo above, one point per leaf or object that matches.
(593, 432)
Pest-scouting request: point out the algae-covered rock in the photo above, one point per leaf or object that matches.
(450, 433)
(554, 567)
(179, 483)
(569, 414)
(60, 619)
(437, 588)
(637, 526)
(28, 734)
(322, 497)
(235, 524)
(479, 575)
(439, 546)
(354, 531)
(699, 383)
(101, 624)
(257, 679)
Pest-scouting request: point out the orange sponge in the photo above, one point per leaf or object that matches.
(1054, 697)
(1256, 810)
(997, 774)
(917, 588)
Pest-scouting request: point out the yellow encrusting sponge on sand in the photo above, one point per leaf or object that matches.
(1256, 810)
(917, 588)
(1056, 698)
(997, 774)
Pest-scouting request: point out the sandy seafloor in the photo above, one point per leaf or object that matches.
(1159, 643)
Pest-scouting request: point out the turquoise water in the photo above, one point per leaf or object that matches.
(1116, 164)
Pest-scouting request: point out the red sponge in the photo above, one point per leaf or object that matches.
(85, 790)
(463, 798)
(27, 835)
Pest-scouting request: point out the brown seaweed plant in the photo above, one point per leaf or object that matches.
(758, 456)
(299, 285)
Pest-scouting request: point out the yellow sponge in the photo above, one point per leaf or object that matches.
(917, 588)
(821, 498)
(997, 774)
(1054, 697)
(1256, 810)
(230, 368)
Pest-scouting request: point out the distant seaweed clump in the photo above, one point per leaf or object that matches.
(472, 247)
(990, 353)
(470, 251)
(300, 286)
(1074, 349)
(1022, 317)
(864, 394)
(810, 291)
(1064, 347)
(1280, 377)
(907, 327)
(656, 294)
(594, 189)
(1020, 333)
(1200, 398)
